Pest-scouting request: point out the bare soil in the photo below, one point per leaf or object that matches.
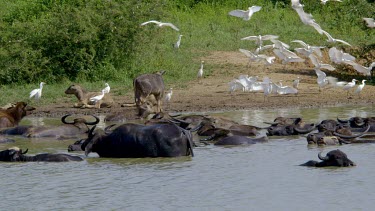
(212, 92)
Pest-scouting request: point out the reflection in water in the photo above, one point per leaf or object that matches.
(258, 177)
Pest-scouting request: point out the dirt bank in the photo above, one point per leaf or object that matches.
(212, 92)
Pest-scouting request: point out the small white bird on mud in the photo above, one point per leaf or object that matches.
(168, 95)
(161, 24)
(200, 71)
(246, 15)
(107, 88)
(97, 98)
(296, 82)
(360, 88)
(349, 85)
(37, 93)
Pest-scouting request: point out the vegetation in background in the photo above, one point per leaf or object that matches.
(88, 41)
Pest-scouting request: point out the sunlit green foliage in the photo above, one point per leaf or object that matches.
(95, 40)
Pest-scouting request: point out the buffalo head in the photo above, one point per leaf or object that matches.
(335, 158)
(92, 138)
(12, 154)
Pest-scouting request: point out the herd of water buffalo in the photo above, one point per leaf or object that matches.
(170, 136)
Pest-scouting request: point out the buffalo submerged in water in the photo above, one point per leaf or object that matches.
(135, 141)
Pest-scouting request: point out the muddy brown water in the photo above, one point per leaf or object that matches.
(257, 177)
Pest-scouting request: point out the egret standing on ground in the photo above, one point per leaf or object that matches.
(161, 24)
(97, 98)
(246, 15)
(359, 88)
(107, 88)
(296, 83)
(200, 72)
(168, 96)
(37, 93)
(178, 43)
(349, 85)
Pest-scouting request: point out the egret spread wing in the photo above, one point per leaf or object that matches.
(270, 37)
(250, 38)
(255, 9)
(247, 53)
(171, 25)
(238, 13)
(152, 21)
(301, 42)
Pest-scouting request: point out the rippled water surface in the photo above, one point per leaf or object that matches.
(258, 177)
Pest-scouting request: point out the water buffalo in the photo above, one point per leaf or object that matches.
(84, 96)
(12, 116)
(226, 137)
(134, 141)
(16, 155)
(286, 129)
(333, 158)
(70, 129)
(76, 146)
(147, 86)
(339, 136)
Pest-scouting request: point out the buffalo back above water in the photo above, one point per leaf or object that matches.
(132, 140)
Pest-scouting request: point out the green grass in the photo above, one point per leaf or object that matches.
(126, 49)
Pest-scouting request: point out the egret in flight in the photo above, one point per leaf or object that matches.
(37, 93)
(370, 22)
(333, 40)
(246, 15)
(161, 24)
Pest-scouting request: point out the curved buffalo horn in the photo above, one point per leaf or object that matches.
(304, 131)
(344, 141)
(196, 128)
(22, 153)
(342, 121)
(91, 132)
(354, 136)
(94, 122)
(322, 158)
(64, 121)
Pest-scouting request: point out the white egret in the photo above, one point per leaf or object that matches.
(362, 69)
(97, 98)
(359, 88)
(308, 49)
(325, 1)
(287, 56)
(296, 82)
(200, 71)
(322, 78)
(107, 88)
(246, 15)
(234, 85)
(370, 22)
(306, 19)
(339, 57)
(280, 45)
(333, 40)
(168, 95)
(349, 85)
(259, 39)
(319, 65)
(37, 93)
(335, 83)
(178, 43)
(161, 24)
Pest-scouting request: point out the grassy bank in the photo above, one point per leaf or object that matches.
(92, 42)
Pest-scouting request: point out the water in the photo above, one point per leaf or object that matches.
(257, 177)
